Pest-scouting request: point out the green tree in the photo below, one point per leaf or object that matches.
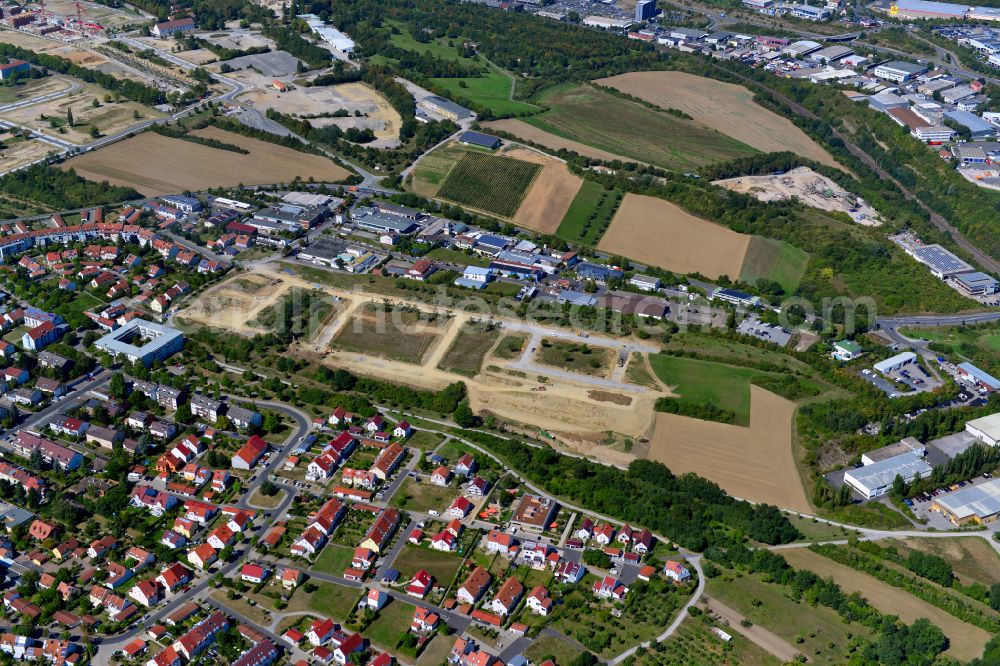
(117, 386)
(464, 416)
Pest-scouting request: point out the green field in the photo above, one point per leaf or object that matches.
(491, 183)
(774, 260)
(422, 496)
(817, 631)
(589, 215)
(457, 257)
(694, 643)
(634, 131)
(333, 559)
(442, 566)
(702, 382)
(392, 621)
(491, 89)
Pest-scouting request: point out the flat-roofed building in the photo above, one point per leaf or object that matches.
(977, 283)
(830, 54)
(876, 479)
(895, 362)
(898, 71)
(535, 512)
(979, 503)
(986, 429)
(141, 340)
(908, 445)
(942, 262)
(445, 108)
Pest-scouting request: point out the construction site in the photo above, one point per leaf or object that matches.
(811, 188)
(65, 20)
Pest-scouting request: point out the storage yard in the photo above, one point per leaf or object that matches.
(805, 185)
(724, 107)
(377, 113)
(154, 164)
(695, 244)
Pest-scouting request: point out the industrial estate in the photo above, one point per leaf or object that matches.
(499, 333)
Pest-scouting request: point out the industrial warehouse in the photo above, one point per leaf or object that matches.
(977, 504)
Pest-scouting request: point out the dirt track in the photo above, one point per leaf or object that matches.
(764, 638)
(565, 407)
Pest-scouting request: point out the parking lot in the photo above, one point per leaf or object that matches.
(913, 376)
(753, 326)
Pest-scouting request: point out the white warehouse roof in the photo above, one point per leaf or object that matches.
(882, 473)
(893, 361)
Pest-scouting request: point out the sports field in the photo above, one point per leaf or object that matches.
(588, 217)
(491, 183)
(725, 107)
(616, 125)
(552, 192)
(774, 260)
(698, 382)
(967, 641)
(655, 231)
(754, 463)
(154, 164)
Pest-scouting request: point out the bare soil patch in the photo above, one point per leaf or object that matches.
(810, 188)
(22, 152)
(607, 396)
(551, 193)
(154, 164)
(755, 463)
(523, 130)
(967, 641)
(233, 303)
(378, 114)
(655, 231)
(727, 107)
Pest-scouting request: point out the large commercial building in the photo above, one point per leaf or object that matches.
(941, 262)
(876, 479)
(811, 13)
(909, 445)
(979, 503)
(142, 341)
(982, 379)
(986, 429)
(922, 9)
(898, 71)
(168, 28)
(977, 283)
(895, 362)
(445, 108)
(978, 128)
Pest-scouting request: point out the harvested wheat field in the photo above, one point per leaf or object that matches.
(154, 164)
(754, 463)
(967, 641)
(657, 232)
(726, 107)
(527, 132)
(551, 193)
